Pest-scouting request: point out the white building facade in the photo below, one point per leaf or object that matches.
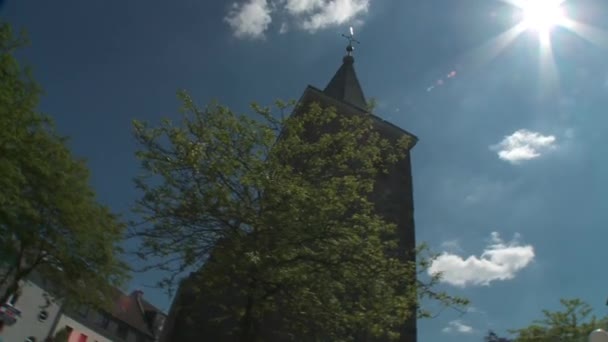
(40, 317)
(38, 314)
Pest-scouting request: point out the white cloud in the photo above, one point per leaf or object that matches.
(523, 145)
(499, 261)
(296, 7)
(250, 19)
(457, 326)
(333, 12)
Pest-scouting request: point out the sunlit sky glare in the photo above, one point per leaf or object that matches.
(508, 99)
(542, 15)
(542, 19)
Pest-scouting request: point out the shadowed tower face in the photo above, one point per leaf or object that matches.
(392, 195)
(393, 191)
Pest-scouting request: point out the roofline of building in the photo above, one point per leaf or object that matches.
(361, 110)
(37, 279)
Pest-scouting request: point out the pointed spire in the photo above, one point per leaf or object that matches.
(344, 86)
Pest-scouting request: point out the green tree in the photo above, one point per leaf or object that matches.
(50, 221)
(573, 323)
(278, 211)
(62, 335)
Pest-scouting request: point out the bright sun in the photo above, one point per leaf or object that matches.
(541, 18)
(543, 15)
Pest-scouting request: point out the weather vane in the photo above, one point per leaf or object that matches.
(351, 39)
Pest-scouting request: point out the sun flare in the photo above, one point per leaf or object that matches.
(543, 15)
(541, 18)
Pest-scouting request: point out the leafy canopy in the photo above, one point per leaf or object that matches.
(573, 323)
(50, 222)
(278, 211)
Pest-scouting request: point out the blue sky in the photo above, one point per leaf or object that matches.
(510, 173)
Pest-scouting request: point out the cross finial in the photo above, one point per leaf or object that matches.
(351, 39)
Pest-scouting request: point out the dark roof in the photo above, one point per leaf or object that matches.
(313, 94)
(127, 310)
(344, 86)
(125, 307)
(150, 307)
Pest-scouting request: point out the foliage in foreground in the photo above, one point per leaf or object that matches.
(293, 233)
(50, 222)
(62, 335)
(573, 323)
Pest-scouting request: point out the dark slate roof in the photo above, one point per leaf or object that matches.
(128, 310)
(344, 86)
(345, 89)
(125, 307)
(313, 94)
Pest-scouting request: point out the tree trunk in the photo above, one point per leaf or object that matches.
(10, 290)
(247, 332)
(6, 276)
(14, 281)
(248, 326)
(17, 271)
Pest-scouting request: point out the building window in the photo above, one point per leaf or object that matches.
(12, 300)
(43, 315)
(64, 334)
(122, 331)
(82, 338)
(47, 301)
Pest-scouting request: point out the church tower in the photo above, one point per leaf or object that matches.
(393, 192)
(392, 196)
